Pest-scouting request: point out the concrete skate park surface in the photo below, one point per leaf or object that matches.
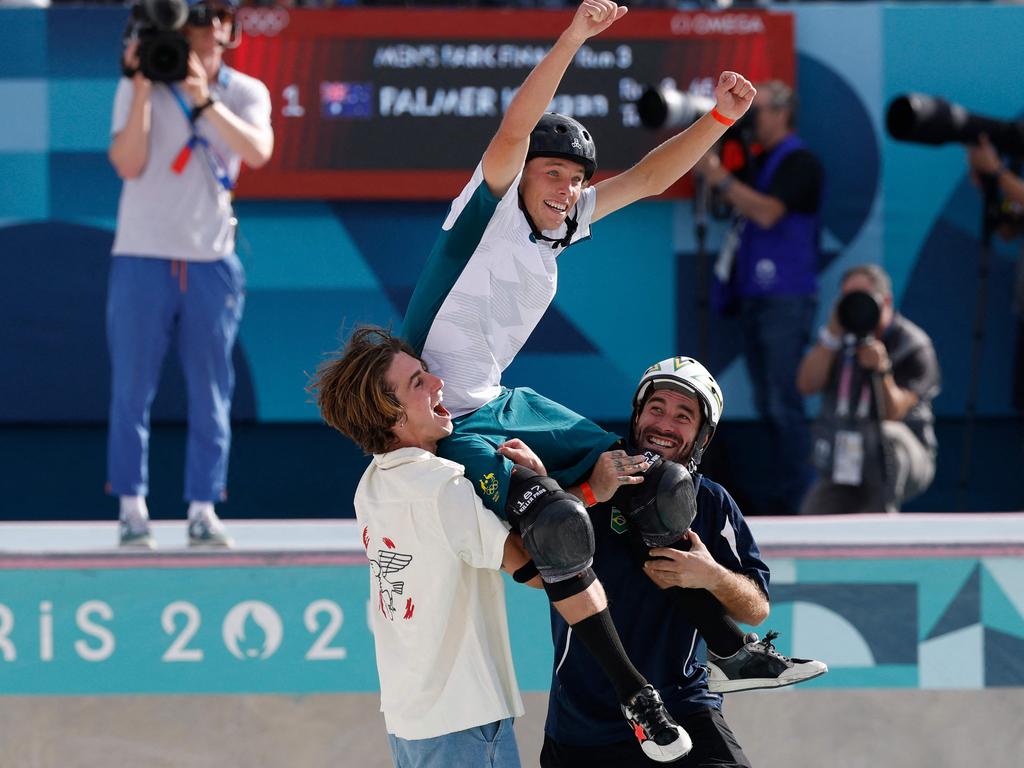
(777, 729)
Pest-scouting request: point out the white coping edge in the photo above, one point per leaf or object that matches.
(343, 535)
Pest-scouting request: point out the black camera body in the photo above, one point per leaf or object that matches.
(163, 48)
(858, 313)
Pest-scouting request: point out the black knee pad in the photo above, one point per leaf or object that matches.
(663, 506)
(555, 526)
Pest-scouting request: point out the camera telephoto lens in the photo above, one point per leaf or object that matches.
(858, 312)
(924, 119)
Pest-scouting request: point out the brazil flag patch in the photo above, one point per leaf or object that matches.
(619, 524)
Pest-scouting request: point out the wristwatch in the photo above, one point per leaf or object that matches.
(198, 109)
(829, 340)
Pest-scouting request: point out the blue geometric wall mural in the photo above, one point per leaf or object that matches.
(862, 605)
(862, 616)
(1003, 654)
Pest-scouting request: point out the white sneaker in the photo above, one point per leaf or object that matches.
(758, 665)
(206, 530)
(136, 533)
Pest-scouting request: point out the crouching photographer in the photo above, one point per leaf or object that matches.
(178, 143)
(874, 441)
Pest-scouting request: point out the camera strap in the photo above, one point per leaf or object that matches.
(850, 442)
(213, 160)
(843, 399)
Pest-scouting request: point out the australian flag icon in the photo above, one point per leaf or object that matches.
(346, 100)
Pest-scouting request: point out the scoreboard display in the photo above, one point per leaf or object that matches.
(400, 104)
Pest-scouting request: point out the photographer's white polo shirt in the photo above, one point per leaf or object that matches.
(186, 216)
(437, 597)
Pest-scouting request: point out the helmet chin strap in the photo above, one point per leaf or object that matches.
(689, 462)
(570, 228)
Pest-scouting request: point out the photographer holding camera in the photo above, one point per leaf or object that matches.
(183, 122)
(984, 161)
(874, 441)
(773, 253)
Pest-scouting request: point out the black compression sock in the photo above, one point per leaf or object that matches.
(723, 635)
(598, 634)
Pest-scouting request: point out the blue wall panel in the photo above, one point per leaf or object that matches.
(23, 53)
(24, 193)
(87, 106)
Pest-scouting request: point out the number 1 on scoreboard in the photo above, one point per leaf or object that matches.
(292, 107)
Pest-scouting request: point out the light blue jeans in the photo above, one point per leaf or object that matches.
(151, 302)
(485, 746)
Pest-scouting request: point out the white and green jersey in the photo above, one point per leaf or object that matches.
(486, 285)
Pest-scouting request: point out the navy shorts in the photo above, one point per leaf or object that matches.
(714, 744)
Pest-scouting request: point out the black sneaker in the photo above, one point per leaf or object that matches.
(758, 665)
(660, 738)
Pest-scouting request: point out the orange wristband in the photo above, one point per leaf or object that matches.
(589, 499)
(721, 118)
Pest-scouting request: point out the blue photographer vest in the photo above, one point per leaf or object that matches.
(781, 260)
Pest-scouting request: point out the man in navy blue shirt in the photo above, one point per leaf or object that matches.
(676, 408)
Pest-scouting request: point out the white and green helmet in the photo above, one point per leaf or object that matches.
(685, 375)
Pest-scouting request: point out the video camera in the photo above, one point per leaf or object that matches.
(925, 119)
(163, 48)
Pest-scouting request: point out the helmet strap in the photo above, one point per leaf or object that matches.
(700, 443)
(570, 228)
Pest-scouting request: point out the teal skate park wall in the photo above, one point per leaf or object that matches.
(317, 267)
(915, 611)
(913, 601)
